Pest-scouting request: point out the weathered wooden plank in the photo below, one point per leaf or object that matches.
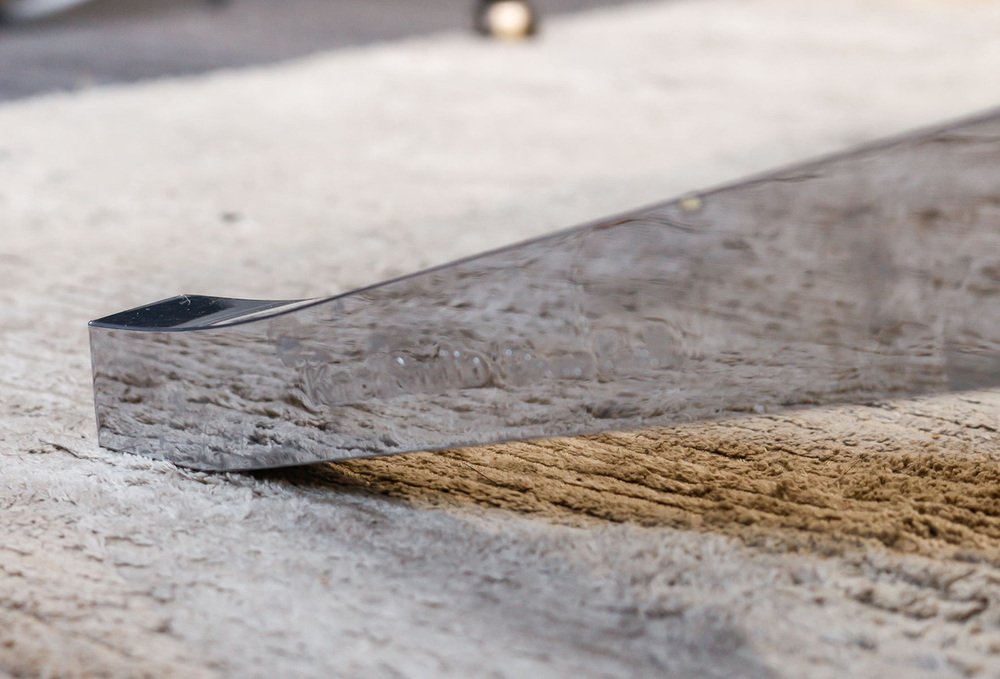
(919, 476)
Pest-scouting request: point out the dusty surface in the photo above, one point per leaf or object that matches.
(873, 559)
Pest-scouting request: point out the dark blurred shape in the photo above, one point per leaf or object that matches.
(105, 41)
(29, 10)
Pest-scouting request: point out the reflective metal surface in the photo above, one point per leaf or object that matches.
(868, 275)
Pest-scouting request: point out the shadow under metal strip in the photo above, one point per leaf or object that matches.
(867, 275)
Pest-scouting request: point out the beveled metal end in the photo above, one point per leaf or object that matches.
(867, 275)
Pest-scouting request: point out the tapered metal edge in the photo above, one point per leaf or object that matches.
(151, 331)
(126, 345)
(162, 373)
(94, 362)
(99, 361)
(191, 312)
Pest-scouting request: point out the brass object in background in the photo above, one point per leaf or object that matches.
(506, 19)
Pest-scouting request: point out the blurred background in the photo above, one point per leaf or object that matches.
(67, 44)
(257, 148)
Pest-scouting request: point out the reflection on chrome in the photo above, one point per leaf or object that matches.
(863, 276)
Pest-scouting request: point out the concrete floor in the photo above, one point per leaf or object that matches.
(768, 548)
(109, 41)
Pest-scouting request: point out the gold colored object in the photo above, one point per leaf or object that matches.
(506, 19)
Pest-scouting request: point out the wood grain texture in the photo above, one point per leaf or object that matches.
(918, 476)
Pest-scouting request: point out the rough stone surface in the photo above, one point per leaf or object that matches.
(856, 541)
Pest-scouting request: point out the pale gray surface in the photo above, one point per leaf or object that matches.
(117, 566)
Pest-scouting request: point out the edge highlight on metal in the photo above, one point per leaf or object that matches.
(867, 275)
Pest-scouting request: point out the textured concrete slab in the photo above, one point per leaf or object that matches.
(859, 541)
